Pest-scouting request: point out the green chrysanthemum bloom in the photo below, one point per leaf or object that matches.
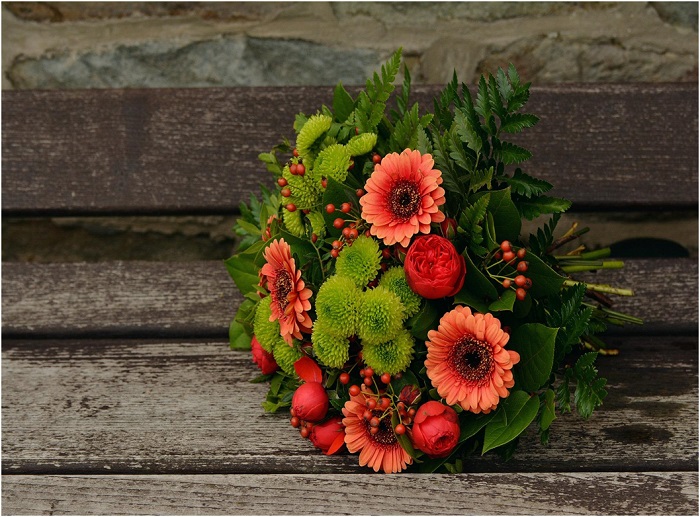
(391, 357)
(318, 224)
(286, 356)
(330, 350)
(314, 129)
(305, 190)
(332, 162)
(267, 332)
(361, 261)
(293, 222)
(380, 316)
(361, 144)
(395, 280)
(337, 302)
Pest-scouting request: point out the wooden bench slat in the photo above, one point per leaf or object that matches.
(195, 150)
(586, 493)
(187, 299)
(129, 407)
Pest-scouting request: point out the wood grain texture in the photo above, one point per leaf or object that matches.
(596, 493)
(129, 407)
(149, 299)
(195, 150)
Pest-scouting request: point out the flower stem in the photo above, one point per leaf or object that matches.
(593, 266)
(601, 288)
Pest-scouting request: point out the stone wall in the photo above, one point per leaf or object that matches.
(181, 44)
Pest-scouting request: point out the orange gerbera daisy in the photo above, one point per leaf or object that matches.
(403, 196)
(290, 298)
(466, 361)
(377, 451)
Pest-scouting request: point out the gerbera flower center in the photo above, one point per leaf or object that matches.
(404, 199)
(472, 360)
(385, 437)
(282, 286)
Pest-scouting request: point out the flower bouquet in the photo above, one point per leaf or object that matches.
(390, 301)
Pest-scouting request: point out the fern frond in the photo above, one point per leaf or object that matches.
(526, 185)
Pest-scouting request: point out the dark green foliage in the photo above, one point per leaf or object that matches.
(470, 223)
(372, 102)
(565, 311)
(545, 237)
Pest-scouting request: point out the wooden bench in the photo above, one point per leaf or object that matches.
(120, 394)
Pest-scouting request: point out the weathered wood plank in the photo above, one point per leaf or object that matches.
(198, 298)
(195, 151)
(594, 493)
(126, 407)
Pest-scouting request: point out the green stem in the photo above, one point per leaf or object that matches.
(601, 288)
(589, 255)
(608, 264)
(617, 315)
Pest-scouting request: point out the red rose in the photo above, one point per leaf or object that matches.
(265, 361)
(329, 436)
(435, 429)
(433, 267)
(310, 402)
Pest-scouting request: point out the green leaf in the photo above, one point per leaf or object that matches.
(520, 409)
(238, 337)
(505, 302)
(480, 178)
(426, 319)
(563, 393)
(505, 215)
(403, 440)
(343, 105)
(548, 415)
(545, 281)
(466, 132)
(510, 153)
(477, 288)
(336, 193)
(532, 208)
(589, 396)
(470, 424)
(516, 122)
(243, 268)
(535, 344)
(526, 185)
(470, 223)
(504, 87)
(482, 106)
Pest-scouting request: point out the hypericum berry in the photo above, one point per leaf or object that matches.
(386, 253)
(508, 256)
(330, 208)
(346, 232)
(291, 207)
(334, 253)
(397, 376)
(292, 412)
(353, 234)
(498, 255)
(522, 266)
(286, 192)
(412, 412)
(367, 381)
(376, 158)
(337, 245)
(374, 422)
(301, 169)
(344, 378)
(295, 421)
(386, 378)
(505, 246)
(373, 430)
(338, 223)
(295, 152)
(369, 372)
(371, 403)
(528, 283)
(282, 182)
(400, 429)
(360, 192)
(520, 293)
(293, 168)
(324, 183)
(304, 432)
(384, 403)
(368, 233)
(345, 208)
(354, 390)
(362, 372)
(314, 238)
(367, 415)
(521, 253)
(506, 283)
(520, 280)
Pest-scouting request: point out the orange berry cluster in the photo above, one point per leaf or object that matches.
(515, 259)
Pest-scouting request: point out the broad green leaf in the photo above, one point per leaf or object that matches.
(545, 281)
(520, 409)
(526, 185)
(505, 215)
(343, 105)
(426, 319)
(238, 337)
(243, 271)
(471, 424)
(478, 290)
(548, 414)
(336, 193)
(505, 302)
(466, 132)
(404, 440)
(535, 344)
(532, 208)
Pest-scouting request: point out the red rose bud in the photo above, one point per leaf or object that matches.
(435, 429)
(265, 361)
(310, 402)
(433, 267)
(449, 228)
(409, 395)
(329, 436)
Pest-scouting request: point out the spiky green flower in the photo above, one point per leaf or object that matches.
(293, 222)
(313, 129)
(318, 223)
(330, 350)
(267, 332)
(380, 316)
(337, 302)
(361, 261)
(361, 144)
(286, 356)
(395, 280)
(391, 357)
(305, 190)
(332, 162)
